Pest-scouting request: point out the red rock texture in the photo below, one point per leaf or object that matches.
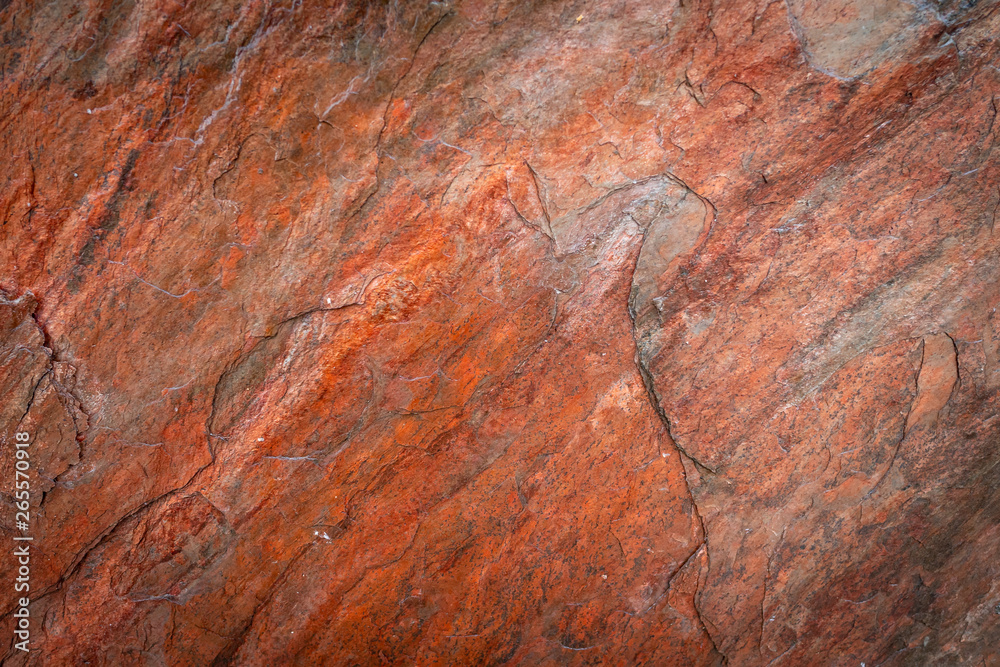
(496, 332)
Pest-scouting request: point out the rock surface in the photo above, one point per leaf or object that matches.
(503, 333)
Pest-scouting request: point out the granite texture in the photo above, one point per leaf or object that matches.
(498, 332)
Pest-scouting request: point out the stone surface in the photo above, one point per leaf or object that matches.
(503, 333)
